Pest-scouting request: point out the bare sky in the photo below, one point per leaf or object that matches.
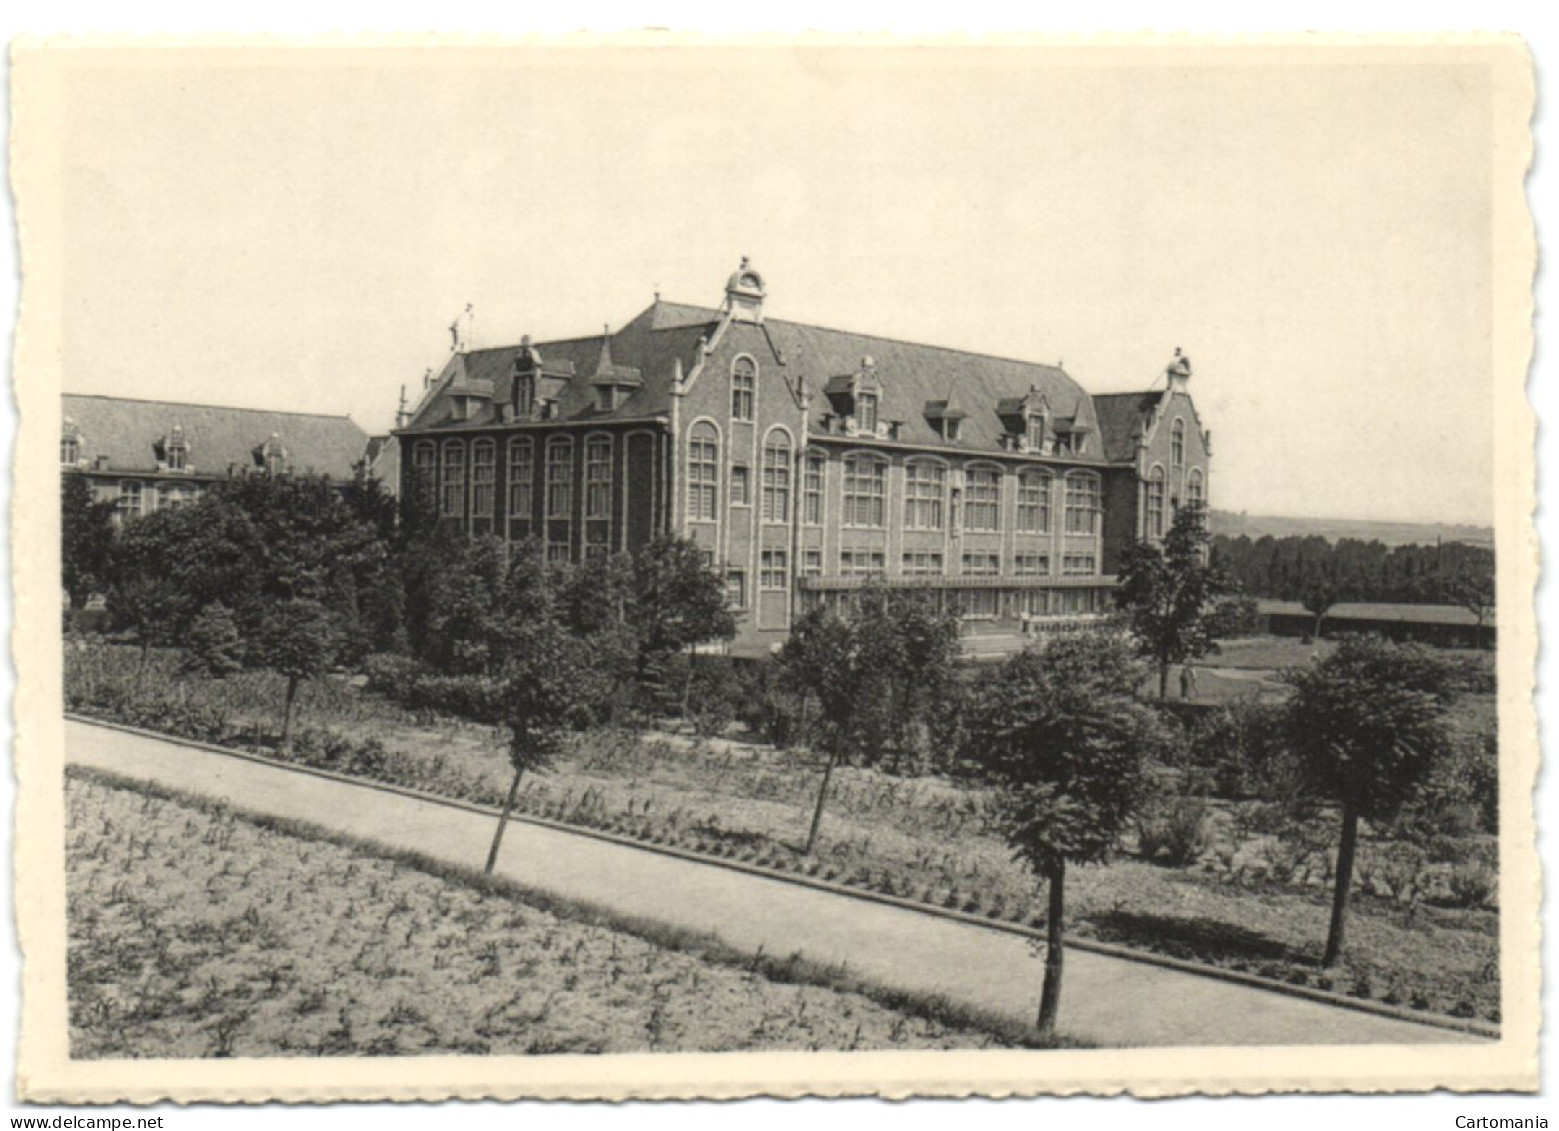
(297, 231)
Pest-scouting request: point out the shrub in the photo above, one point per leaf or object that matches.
(1472, 882)
(390, 675)
(713, 696)
(1239, 750)
(1174, 834)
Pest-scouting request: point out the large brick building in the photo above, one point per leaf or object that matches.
(154, 455)
(808, 461)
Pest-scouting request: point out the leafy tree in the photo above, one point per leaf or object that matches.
(677, 602)
(296, 638)
(823, 655)
(876, 675)
(552, 684)
(1061, 737)
(1472, 587)
(1320, 593)
(86, 540)
(214, 647)
(1170, 594)
(1367, 723)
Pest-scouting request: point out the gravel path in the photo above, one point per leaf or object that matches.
(1106, 1000)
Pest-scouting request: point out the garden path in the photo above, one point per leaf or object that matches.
(1106, 1000)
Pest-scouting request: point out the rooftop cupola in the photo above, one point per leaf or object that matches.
(744, 293)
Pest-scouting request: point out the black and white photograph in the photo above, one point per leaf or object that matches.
(920, 568)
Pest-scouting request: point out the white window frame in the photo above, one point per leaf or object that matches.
(869, 471)
(452, 479)
(1082, 502)
(703, 472)
(925, 494)
(521, 474)
(1036, 486)
(978, 503)
(559, 488)
(598, 476)
(744, 387)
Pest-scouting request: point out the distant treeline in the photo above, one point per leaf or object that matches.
(1289, 569)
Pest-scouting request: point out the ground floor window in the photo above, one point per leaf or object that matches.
(979, 604)
(736, 589)
(1031, 565)
(922, 563)
(1078, 565)
(598, 541)
(982, 565)
(557, 548)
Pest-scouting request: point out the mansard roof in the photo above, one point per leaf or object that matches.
(127, 433)
(1123, 420)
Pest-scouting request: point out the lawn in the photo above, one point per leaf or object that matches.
(1249, 903)
(194, 932)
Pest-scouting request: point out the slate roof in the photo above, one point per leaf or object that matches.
(913, 377)
(1122, 419)
(125, 430)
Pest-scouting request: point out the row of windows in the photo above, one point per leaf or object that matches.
(450, 473)
(1157, 495)
(137, 498)
(928, 563)
(864, 503)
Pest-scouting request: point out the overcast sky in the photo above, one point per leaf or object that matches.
(298, 232)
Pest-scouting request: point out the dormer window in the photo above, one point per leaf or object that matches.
(866, 412)
(272, 456)
(605, 398)
(1035, 434)
(524, 396)
(951, 427)
(70, 444)
(176, 450)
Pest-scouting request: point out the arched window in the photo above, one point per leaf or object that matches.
(1034, 486)
(776, 478)
(484, 467)
(424, 468)
(525, 396)
(560, 477)
(703, 472)
(1082, 502)
(925, 487)
(1156, 503)
(1177, 444)
(865, 490)
(982, 499)
(522, 477)
(452, 482)
(598, 477)
(1195, 489)
(744, 385)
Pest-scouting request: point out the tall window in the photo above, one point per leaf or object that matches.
(522, 477)
(524, 396)
(744, 383)
(452, 481)
(1195, 490)
(598, 545)
(1036, 431)
(176, 450)
(1082, 502)
(129, 498)
(560, 478)
(982, 499)
(741, 494)
(772, 573)
(703, 471)
(736, 588)
(924, 487)
(866, 412)
(812, 490)
(1156, 503)
(865, 490)
(1034, 502)
(1177, 445)
(776, 478)
(557, 546)
(484, 460)
(598, 477)
(70, 449)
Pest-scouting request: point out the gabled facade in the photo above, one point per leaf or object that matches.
(807, 461)
(149, 455)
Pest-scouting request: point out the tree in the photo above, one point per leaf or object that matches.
(214, 647)
(552, 684)
(677, 602)
(1319, 595)
(297, 639)
(1061, 737)
(1472, 587)
(86, 540)
(1367, 723)
(823, 657)
(1170, 592)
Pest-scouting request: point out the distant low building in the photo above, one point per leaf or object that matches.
(807, 462)
(151, 455)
